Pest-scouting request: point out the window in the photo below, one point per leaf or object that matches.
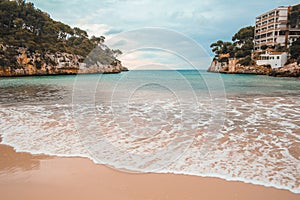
(281, 32)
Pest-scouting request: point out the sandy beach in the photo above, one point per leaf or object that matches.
(26, 176)
(204, 95)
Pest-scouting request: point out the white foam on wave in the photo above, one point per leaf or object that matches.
(254, 145)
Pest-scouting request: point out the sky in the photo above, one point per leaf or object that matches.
(198, 21)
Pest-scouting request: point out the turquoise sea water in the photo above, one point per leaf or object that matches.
(233, 84)
(236, 127)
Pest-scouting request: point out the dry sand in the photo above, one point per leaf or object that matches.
(24, 176)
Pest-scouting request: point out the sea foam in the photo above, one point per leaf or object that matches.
(257, 143)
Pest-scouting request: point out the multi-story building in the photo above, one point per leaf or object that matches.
(273, 28)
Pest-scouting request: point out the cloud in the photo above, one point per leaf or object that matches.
(112, 31)
(94, 29)
(204, 21)
(157, 46)
(154, 59)
(193, 18)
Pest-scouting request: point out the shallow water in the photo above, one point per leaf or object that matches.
(236, 127)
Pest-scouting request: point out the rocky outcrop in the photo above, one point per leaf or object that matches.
(28, 63)
(232, 67)
(218, 67)
(291, 70)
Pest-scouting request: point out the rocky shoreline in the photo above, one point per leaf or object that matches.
(28, 63)
(232, 67)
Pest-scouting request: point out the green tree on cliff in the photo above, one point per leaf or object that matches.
(295, 50)
(221, 47)
(244, 35)
(294, 17)
(241, 47)
(23, 25)
(243, 40)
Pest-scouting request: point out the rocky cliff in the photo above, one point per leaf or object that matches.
(232, 67)
(290, 70)
(26, 63)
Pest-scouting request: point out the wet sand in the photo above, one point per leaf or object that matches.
(26, 176)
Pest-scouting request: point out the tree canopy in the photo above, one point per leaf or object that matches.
(240, 47)
(244, 35)
(295, 50)
(294, 16)
(23, 25)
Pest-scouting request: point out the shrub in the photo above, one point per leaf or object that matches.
(224, 60)
(246, 61)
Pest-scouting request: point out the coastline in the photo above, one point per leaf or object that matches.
(62, 74)
(26, 176)
(232, 67)
(26, 63)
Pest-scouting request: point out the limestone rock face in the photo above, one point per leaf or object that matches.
(232, 67)
(218, 67)
(291, 70)
(29, 64)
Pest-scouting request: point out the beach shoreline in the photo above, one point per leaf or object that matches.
(26, 176)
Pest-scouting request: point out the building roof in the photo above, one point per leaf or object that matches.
(268, 53)
(276, 53)
(275, 9)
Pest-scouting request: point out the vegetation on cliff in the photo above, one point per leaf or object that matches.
(239, 51)
(278, 59)
(22, 26)
(295, 16)
(240, 47)
(295, 50)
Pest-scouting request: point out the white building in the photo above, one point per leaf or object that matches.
(275, 59)
(272, 28)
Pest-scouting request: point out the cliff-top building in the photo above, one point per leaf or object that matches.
(280, 26)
